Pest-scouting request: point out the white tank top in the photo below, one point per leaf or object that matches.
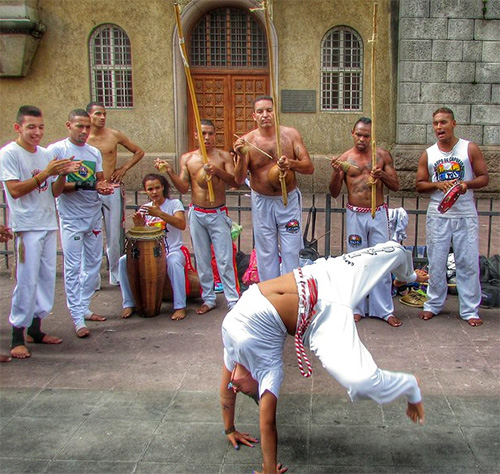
(447, 166)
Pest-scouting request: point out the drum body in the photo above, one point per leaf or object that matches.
(146, 268)
(193, 287)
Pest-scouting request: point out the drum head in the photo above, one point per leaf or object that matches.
(144, 232)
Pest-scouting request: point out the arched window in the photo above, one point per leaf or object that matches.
(341, 70)
(228, 38)
(111, 67)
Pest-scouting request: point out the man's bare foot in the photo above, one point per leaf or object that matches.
(95, 317)
(426, 315)
(357, 317)
(82, 332)
(5, 358)
(393, 321)
(474, 322)
(47, 339)
(20, 352)
(204, 308)
(416, 412)
(178, 314)
(127, 312)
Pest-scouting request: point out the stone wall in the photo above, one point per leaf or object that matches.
(448, 56)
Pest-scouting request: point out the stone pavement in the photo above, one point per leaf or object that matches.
(141, 396)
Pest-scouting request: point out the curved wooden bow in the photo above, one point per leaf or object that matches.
(274, 95)
(374, 141)
(192, 93)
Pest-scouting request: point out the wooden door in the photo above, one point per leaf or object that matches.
(226, 99)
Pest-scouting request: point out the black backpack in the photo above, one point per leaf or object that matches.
(489, 270)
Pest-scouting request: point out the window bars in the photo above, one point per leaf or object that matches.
(341, 70)
(111, 67)
(228, 38)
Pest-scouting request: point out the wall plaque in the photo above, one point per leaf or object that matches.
(301, 101)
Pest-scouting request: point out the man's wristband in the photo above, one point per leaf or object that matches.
(230, 430)
(35, 177)
(85, 186)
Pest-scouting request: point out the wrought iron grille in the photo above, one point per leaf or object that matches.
(111, 67)
(341, 70)
(228, 38)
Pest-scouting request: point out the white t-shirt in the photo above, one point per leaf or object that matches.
(254, 335)
(35, 210)
(78, 203)
(174, 235)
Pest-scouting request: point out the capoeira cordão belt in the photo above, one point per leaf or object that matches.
(308, 297)
(210, 210)
(365, 209)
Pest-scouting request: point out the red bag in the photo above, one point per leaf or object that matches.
(251, 274)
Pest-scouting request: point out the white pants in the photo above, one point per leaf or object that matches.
(277, 230)
(36, 277)
(463, 233)
(82, 248)
(332, 335)
(213, 228)
(175, 270)
(112, 210)
(362, 232)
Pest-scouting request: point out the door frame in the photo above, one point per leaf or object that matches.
(190, 14)
(229, 78)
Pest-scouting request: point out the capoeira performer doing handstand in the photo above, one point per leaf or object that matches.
(315, 304)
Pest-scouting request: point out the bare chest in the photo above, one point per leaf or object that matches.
(107, 147)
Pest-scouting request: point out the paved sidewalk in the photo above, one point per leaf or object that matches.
(141, 396)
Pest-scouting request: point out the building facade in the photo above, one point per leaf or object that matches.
(429, 53)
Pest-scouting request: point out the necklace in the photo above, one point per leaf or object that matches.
(449, 153)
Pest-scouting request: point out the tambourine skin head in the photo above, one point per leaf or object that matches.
(449, 199)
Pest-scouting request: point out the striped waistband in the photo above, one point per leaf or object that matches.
(365, 209)
(210, 210)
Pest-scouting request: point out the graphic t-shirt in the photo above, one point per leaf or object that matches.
(35, 210)
(79, 203)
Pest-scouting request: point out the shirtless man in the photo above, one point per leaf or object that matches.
(276, 228)
(107, 140)
(363, 230)
(209, 222)
(314, 304)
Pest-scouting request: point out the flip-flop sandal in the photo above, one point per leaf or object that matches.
(413, 299)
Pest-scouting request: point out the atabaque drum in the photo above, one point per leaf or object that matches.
(193, 287)
(146, 268)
